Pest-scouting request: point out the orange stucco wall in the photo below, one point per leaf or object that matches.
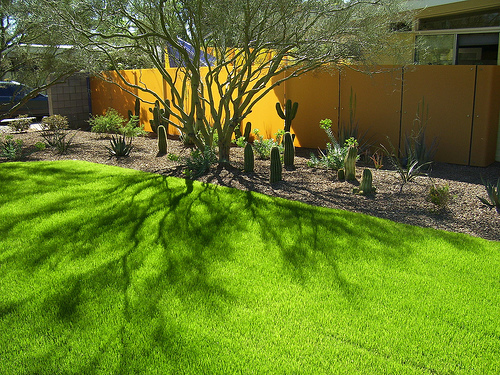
(463, 102)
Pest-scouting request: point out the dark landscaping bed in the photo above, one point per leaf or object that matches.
(464, 213)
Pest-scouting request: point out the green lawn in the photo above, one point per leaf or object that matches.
(112, 271)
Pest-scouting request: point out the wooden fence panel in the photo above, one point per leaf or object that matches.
(486, 116)
(449, 93)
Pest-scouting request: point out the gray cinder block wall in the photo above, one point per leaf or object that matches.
(71, 99)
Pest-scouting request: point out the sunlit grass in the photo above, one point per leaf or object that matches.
(114, 271)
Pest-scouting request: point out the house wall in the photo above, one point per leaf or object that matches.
(463, 106)
(71, 99)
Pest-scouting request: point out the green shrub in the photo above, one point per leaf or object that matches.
(21, 123)
(199, 162)
(40, 146)
(55, 133)
(263, 146)
(55, 122)
(11, 148)
(334, 155)
(133, 128)
(240, 141)
(439, 195)
(406, 173)
(111, 122)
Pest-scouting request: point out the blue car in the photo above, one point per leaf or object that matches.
(12, 92)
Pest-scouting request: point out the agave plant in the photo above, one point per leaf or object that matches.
(120, 146)
(493, 191)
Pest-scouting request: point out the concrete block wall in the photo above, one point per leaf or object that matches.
(71, 99)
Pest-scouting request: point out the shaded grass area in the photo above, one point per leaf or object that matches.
(114, 271)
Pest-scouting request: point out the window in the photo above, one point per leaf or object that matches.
(435, 49)
(489, 18)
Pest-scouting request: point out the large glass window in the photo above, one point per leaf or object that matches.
(435, 49)
(477, 49)
(489, 18)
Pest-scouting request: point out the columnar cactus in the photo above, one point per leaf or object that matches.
(350, 163)
(248, 158)
(162, 140)
(276, 167)
(289, 114)
(248, 129)
(246, 133)
(137, 110)
(341, 174)
(160, 116)
(366, 186)
(289, 153)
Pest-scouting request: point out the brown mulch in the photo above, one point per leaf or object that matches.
(464, 213)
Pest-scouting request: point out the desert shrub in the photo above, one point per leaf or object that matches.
(263, 146)
(407, 172)
(21, 123)
(111, 122)
(439, 195)
(120, 146)
(55, 133)
(11, 148)
(199, 162)
(133, 128)
(334, 155)
(55, 122)
(240, 141)
(40, 146)
(377, 159)
(493, 192)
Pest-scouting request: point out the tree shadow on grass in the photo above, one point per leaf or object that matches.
(144, 263)
(130, 248)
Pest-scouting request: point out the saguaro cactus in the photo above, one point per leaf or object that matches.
(160, 116)
(289, 114)
(248, 158)
(289, 153)
(162, 140)
(276, 167)
(350, 163)
(366, 186)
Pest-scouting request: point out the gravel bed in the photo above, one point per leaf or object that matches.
(464, 213)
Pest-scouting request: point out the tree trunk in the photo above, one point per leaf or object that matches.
(224, 151)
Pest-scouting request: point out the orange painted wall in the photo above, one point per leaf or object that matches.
(378, 98)
(318, 96)
(449, 94)
(463, 109)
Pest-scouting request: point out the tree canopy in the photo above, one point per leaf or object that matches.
(241, 49)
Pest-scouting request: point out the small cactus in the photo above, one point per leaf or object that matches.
(160, 116)
(341, 174)
(137, 110)
(246, 133)
(248, 129)
(289, 114)
(248, 158)
(276, 167)
(289, 153)
(162, 140)
(366, 186)
(350, 163)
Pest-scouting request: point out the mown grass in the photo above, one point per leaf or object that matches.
(113, 271)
